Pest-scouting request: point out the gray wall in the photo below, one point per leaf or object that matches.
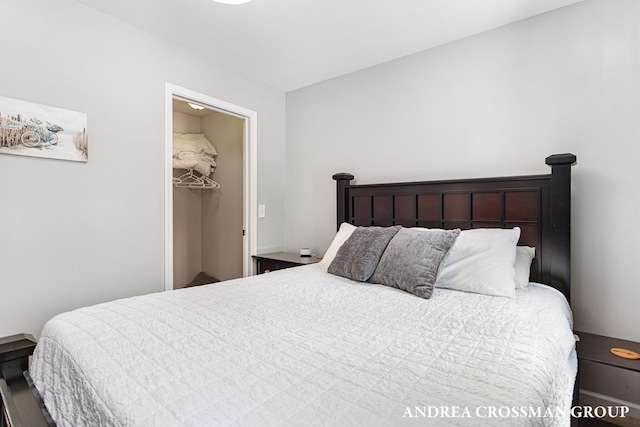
(73, 234)
(494, 104)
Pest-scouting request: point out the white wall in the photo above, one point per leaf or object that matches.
(489, 105)
(73, 234)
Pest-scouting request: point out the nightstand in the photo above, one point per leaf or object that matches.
(281, 260)
(597, 349)
(17, 403)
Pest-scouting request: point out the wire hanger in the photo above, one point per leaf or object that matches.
(191, 180)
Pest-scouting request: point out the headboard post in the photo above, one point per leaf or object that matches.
(342, 180)
(561, 219)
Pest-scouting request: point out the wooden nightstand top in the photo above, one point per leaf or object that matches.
(16, 347)
(288, 257)
(597, 348)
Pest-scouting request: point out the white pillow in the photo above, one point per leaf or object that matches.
(522, 266)
(481, 261)
(344, 232)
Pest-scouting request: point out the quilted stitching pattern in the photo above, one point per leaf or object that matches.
(303, 347)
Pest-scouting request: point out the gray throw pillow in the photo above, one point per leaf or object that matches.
(358, 256)
(413, 259)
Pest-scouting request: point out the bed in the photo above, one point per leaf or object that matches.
(304, 346)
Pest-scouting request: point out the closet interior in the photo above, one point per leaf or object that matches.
(207, 195)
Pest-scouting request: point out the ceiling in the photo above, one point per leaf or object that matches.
(290, 44)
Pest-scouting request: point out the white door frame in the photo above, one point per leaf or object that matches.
(250, 215)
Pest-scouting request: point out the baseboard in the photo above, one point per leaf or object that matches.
(594, 399)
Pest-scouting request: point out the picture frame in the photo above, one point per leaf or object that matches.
(36, 130)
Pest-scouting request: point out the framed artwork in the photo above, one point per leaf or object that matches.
(28, 129)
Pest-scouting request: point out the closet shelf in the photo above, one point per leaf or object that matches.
(191, 179)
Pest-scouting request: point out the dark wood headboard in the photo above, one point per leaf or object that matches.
(539, 204)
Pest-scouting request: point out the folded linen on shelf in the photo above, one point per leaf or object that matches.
(193, 151)
(194, 143)
(199, 162)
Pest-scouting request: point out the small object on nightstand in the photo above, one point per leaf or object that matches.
(624, 353)
(305, 252)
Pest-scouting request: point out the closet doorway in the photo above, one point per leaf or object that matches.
(210, 219)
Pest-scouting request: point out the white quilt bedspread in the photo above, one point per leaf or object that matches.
(302, 347)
